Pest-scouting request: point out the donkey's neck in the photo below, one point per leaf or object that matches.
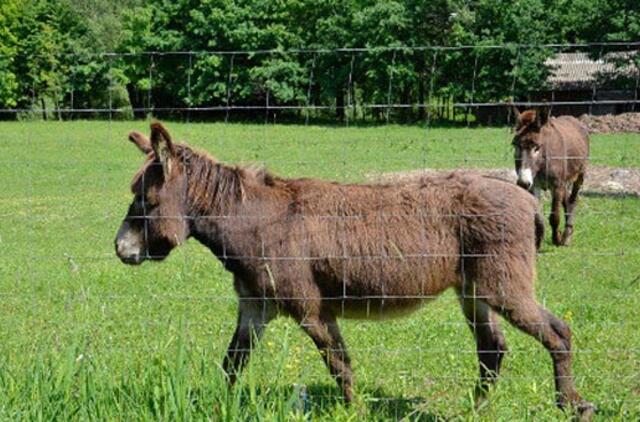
(213, 189)
(218, 189)
(224, 203)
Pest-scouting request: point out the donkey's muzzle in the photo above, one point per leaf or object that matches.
(525, 178)
(131, 260)
(129, 245)
(126, 256)
(526, 185)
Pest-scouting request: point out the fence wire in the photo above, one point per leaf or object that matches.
(450, 120)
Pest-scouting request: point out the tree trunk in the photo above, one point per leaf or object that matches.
(353, 101)
(57, 105)
(422, 110)
(44, 109)
(405, 99)
(340, 112)
(134, 100)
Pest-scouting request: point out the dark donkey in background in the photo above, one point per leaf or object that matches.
(318, 250)
(552, 153)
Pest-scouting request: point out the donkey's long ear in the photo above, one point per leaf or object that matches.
(141, 141)
(517, 115)
(542, 115)
(162, 147)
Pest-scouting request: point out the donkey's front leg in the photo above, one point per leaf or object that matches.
(558, 194)
(490, 341)
(253, 316)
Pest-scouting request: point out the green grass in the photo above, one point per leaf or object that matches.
(85, 337)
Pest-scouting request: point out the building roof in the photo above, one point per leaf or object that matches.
(579, 70)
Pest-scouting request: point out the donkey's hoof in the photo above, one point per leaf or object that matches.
(566, 237)
(585, 411)
(480, 399)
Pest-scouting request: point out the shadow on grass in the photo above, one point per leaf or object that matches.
(323, 399)
(283, 119)
(616, 195)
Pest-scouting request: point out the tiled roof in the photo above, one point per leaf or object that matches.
(574, 70)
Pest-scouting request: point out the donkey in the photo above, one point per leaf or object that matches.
(552, 153)
(316, 251)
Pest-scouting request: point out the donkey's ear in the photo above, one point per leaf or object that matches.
(141, 141)
(542, 115)
(517, 115)
(162, 147)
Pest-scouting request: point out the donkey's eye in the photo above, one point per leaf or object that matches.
(143, 201)
(536, 149)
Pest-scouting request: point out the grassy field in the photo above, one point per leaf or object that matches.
(84, 337)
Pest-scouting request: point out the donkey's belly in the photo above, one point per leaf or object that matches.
(392, 288)
(376, 308)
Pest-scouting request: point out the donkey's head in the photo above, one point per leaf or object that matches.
(156, 221)
(528, 144)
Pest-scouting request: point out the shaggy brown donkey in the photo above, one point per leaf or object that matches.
(318, 250)
(552, 153)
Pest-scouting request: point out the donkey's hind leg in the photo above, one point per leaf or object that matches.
(490, 342)
(527, 315)
(569, 207)
(558, 194)
(325, 333)
(253, 316)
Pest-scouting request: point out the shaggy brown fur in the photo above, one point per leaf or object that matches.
(318, 250)
(556, 151)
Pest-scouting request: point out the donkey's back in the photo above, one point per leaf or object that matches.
(567, 150)
(570, 138)
(384, 249)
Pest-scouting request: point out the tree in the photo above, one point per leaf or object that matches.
(52, 52)
(9, 12)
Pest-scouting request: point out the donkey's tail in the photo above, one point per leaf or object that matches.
(539, 222)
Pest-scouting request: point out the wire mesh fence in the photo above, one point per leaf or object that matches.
(401, 116)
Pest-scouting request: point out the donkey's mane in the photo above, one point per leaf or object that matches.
(213, 184)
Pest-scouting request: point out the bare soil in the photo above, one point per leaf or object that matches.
(599, 180)
(609, 123)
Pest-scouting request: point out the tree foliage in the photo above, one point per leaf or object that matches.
(54, 53)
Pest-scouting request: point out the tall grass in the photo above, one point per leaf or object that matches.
(83, 337)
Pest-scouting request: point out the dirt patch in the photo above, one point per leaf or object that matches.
(599, 180)
(609, 123)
